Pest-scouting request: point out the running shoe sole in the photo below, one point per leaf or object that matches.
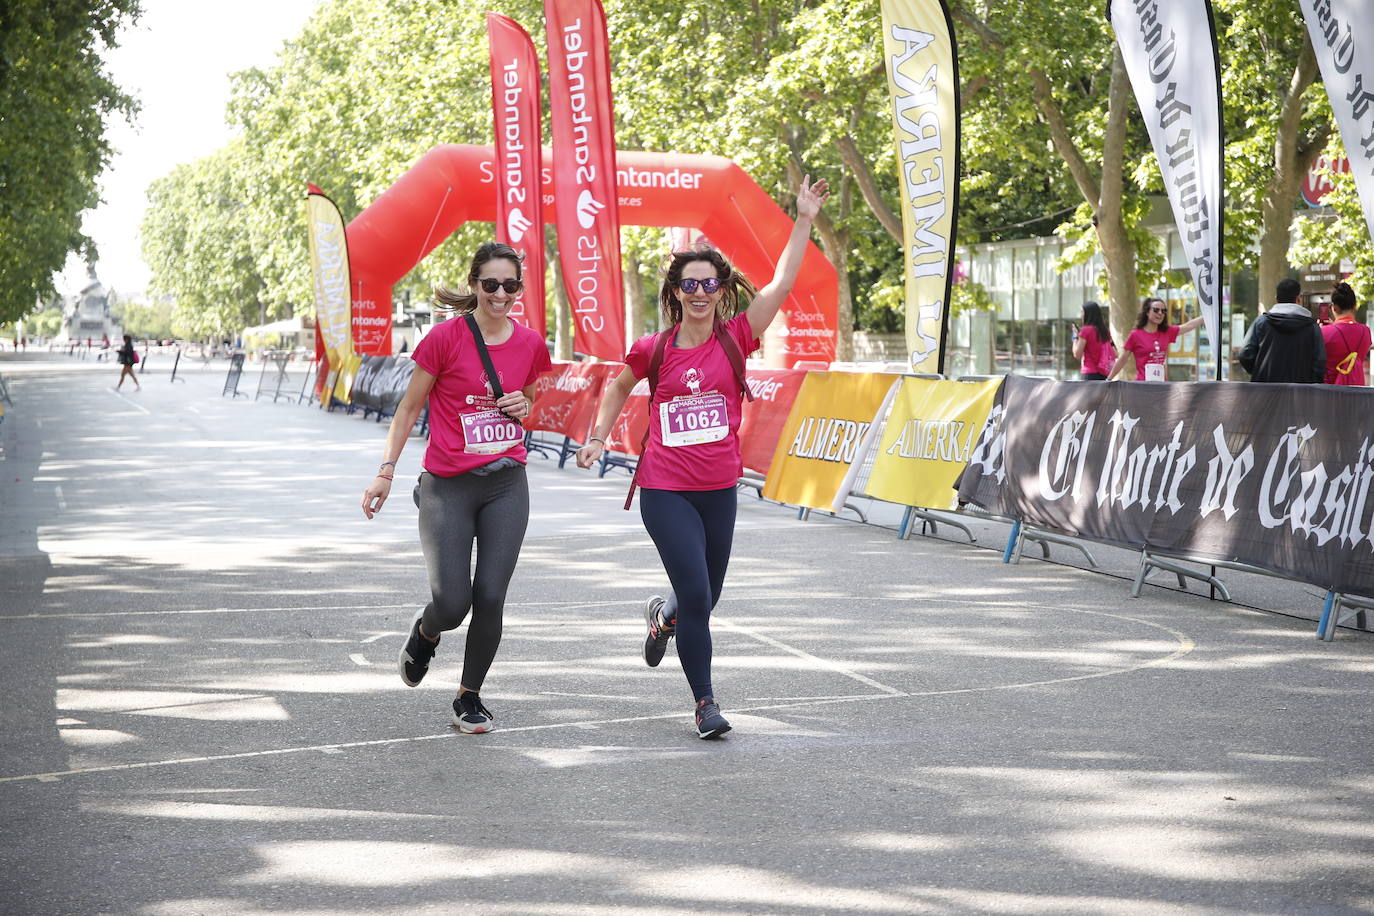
(710, 733)
(472, 728)
(404, 657)
(650, 607)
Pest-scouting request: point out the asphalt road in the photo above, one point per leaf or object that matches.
(198, 633)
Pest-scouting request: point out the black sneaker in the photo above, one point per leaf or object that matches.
(471, 717)
(710, 723)
(415, 654)
(656, 643)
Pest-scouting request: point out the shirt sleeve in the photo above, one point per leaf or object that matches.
(743, 334)
(428, 353)
(1173, 332)
(641, 351)
(540, 362)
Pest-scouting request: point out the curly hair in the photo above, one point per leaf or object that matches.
(738, 290)
(447, 299)
(1142, 318)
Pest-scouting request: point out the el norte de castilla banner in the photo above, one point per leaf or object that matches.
(1169, 49)
(1273, 476)
(923, 81)
(1343, 38)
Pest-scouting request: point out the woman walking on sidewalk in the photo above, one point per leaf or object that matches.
(127, 360)
(472, 488)
(690, 463)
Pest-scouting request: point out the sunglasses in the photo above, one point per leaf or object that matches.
(710, 285)
(491, 285)
(1158, 309)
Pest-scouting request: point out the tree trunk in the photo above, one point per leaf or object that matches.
(635, 306)
(562, 324)
(835, 245)
(1292, 154)
(1118, 252)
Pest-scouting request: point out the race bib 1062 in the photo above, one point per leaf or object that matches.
(693, 420)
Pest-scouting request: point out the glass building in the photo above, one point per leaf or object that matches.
(1030, 332)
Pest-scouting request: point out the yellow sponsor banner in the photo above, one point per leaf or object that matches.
(329, 270)
(829, 418)
(933, 427)
(343, 385)
(923, 80)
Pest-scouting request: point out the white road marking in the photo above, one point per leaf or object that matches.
(129, 402)
(1185, 646)
(358, 659)
(803, 654)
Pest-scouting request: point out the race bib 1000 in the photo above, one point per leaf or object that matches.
(490, 432)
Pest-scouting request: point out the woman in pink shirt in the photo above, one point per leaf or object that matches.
(473, 488)
(1093, 346)
(1149, 342)
(691, 460)
(1347, 341)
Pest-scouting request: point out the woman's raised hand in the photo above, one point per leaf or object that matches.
(810, 197)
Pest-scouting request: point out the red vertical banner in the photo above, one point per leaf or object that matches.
(519, 159)
(587, 210)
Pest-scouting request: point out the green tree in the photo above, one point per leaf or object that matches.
(1277, 121)
(1068, 74)
(199, 249)
(1339, 231)
(56, 101)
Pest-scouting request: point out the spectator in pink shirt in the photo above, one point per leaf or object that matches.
(1149, 343)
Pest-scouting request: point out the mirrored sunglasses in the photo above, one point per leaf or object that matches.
(710, 285)
(491, 285)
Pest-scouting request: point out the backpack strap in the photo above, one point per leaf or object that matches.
(492, 377)
(736, 358)
(655, 363)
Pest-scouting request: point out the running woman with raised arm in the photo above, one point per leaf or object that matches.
(691, 460)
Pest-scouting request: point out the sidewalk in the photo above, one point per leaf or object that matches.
(198, 632)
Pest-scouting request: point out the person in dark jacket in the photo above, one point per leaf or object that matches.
(1285, 344)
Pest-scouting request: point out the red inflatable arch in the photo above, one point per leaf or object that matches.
(454, 184)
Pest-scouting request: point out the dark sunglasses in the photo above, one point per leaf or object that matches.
(710, 285)
(491, 285)
(1158, 308)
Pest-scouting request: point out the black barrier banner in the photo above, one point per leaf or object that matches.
(231, 380)
(1275, 476)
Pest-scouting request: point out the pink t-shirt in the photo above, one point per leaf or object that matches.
(460, 388)
(699, 399)
(1093, 361)
(1343, 337)
(1150, 349)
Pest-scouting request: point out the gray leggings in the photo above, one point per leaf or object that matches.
(454, 511)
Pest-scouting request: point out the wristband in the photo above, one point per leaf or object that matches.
(591, 439)
(385, 463)
(386, 477)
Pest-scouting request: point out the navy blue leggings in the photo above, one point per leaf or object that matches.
(693, 531)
